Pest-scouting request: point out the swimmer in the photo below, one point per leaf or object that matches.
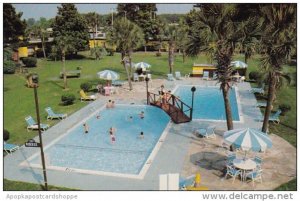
(86, 128)
(142, 135)
(109, 104)
(112, 135)
(142, 115)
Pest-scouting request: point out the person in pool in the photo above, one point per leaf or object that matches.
(86, 128)
(142, 115)
(112, 135)
(109, 104)
(142, 135)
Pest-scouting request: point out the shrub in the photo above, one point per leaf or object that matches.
(29, 61)
(86, 86)
(110, 52)
(9, 67)
(254, 75)
(68, 99)
(284, 108)
(5, 135)
(158, 54)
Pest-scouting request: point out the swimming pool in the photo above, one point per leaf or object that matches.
(208, 102)
(94, 153)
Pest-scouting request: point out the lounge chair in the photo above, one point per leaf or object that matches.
(205, 75)
(178, 75)
(261, 104)
(208, 132)
(215, 76)
(232, 172)
(170, 77)
(9, 148)
(135, 77)
(254, 175)
(52, 115)
(32, 125)
(259, 90)
(274, 117)
(84, 97)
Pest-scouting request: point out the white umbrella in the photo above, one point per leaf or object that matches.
(142, 65)
(248, 139)
(239, 64)
(108, 75)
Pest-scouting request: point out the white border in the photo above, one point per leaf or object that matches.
(142, 171)
(240, 113)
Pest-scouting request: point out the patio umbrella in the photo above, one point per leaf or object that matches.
(239, 64)
(142, 65)
(248, 139)
(108, 75)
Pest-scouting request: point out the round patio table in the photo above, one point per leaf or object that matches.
(244, 166)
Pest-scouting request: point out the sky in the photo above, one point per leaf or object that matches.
(49, 10)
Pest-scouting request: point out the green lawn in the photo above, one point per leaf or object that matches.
(19, 101)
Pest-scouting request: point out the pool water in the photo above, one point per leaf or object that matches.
(208, 102)
(94, 151)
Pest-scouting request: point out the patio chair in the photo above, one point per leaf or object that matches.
(84, 97)
(9, 148)
(205, 75)
(230, 158)
(135, 77)
(52, 115)
(259, 90)
(32, 125)
(274, 117)
(261, 104)
(208, 132)
(178, 75)
(232, 172)
(258, 161)
(255, 175)
(170, 77)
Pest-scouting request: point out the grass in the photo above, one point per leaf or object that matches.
(17, 185)
(19, 102)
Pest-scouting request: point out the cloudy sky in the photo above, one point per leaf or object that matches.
(49, 10)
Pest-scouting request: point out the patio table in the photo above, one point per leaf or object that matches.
(244, 166)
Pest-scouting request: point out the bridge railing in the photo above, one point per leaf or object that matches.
(170, 99)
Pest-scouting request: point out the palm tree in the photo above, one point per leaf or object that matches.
(126, 36)
(172, 36)
(93, 21)
(218, 35)
(40, 30)
(278, 40)
(64, 45)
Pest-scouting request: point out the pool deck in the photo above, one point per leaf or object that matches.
(180, 152)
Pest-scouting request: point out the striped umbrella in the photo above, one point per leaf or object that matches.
(239, 64)
(248, 139)
(108, 75)
(142, 65)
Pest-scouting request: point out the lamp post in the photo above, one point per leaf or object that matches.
(35, 80)
(147, 80)
(193, 89)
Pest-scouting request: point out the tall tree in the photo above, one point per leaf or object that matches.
(69, 23)
(218, 33)
(126, 36)
(93, 20)
(278, 40)
(13, 26)
(144, 15)
(172, 37)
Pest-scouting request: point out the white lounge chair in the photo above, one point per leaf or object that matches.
(205, 75)
(208, 132)
(178, 75)
(52, 115)
(170, 77)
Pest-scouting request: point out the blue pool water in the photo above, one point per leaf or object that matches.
(208, 102)
(94, 151)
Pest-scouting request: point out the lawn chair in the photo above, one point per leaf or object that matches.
(32, 125)
(84, 97)
(135, 77)
(9, 148)
(254, 175)
(274, 117)
(178, 75)
(52, 115)
(259, 90)
(208, 132)
(232, 172)
(170, 77)
(205, 75)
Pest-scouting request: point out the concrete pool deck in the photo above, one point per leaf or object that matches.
(179, 152)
